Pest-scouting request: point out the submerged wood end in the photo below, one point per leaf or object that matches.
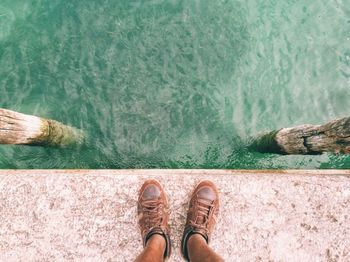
(307, 139)
(22, 129)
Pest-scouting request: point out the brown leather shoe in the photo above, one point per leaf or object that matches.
(202, 213)
(152, 210)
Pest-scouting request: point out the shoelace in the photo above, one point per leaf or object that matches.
(204, 210)
(153, 212)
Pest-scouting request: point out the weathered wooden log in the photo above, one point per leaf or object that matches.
(307, 139)
(21, 129)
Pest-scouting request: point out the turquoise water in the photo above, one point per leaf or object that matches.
(174, 84)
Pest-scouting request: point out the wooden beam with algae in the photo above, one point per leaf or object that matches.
(307, 139)
(21, 129)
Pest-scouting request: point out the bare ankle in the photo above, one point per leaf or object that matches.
(195, 239)
(156, 242)
(199, 250)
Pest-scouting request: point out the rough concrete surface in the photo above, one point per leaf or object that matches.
(90, 215)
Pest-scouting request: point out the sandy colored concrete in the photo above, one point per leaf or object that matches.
(91, 215)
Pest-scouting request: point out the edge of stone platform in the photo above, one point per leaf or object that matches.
(176, 172)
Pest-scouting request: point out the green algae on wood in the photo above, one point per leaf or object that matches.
(21, 129)
(267, 143)
(307, 139)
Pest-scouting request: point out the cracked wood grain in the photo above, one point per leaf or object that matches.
(307, 139)
(21, 129)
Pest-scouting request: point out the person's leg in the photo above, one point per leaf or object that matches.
(201, 219)
(154, 250)
(199, 250)
(152, 210)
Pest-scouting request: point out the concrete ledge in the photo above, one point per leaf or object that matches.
(90, 215)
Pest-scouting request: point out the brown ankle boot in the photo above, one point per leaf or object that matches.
(202, 214)
(152, 210)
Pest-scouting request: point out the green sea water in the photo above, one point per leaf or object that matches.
(174, 84)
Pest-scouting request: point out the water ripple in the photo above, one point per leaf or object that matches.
(176, 84)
